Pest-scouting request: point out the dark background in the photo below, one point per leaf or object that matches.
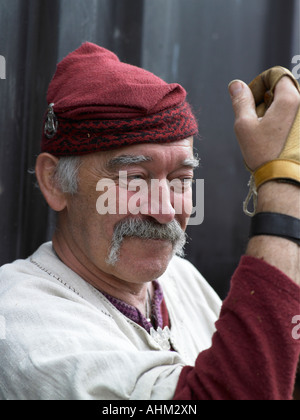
(202, 44)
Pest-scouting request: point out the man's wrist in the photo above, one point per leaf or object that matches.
(282, 198)
(279, 197)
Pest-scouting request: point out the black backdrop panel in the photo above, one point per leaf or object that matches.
(202, 44)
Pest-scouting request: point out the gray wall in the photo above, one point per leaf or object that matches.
(202, 44)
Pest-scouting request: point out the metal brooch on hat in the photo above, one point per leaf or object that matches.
(51, 123)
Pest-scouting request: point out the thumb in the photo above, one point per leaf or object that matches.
(242, 100)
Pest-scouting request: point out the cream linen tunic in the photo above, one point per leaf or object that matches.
(62, 339)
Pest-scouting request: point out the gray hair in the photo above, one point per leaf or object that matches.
(66, 174)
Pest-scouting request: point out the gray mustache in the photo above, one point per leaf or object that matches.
(149, 229)
(146, 229)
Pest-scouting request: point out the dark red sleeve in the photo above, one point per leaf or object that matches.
(254, 352)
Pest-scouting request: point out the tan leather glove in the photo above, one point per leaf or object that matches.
(287, 166)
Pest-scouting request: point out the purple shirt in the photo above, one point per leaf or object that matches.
(136, 316)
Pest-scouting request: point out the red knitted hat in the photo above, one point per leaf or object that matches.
(98, 103)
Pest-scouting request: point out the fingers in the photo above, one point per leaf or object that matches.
(242, 100)
(284, 107)
(263, 139)
(286, 101)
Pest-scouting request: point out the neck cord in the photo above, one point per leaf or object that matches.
(148, 306)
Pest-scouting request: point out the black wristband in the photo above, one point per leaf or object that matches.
(275, 224)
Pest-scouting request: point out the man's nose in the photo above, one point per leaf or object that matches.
(160, 203)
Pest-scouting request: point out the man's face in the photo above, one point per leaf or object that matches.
(143, 192)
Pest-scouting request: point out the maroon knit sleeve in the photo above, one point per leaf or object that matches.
(255, 350)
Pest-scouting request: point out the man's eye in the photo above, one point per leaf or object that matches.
(187, 181)
(135, 177)
(181, 185)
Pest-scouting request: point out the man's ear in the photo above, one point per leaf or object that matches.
(44, 169)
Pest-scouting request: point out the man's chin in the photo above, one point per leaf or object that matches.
(144, 259)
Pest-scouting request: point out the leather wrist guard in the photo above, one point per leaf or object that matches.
(274, 224)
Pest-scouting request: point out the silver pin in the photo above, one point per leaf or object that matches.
(51, 123)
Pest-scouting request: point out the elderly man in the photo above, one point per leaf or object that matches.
(107, 310)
